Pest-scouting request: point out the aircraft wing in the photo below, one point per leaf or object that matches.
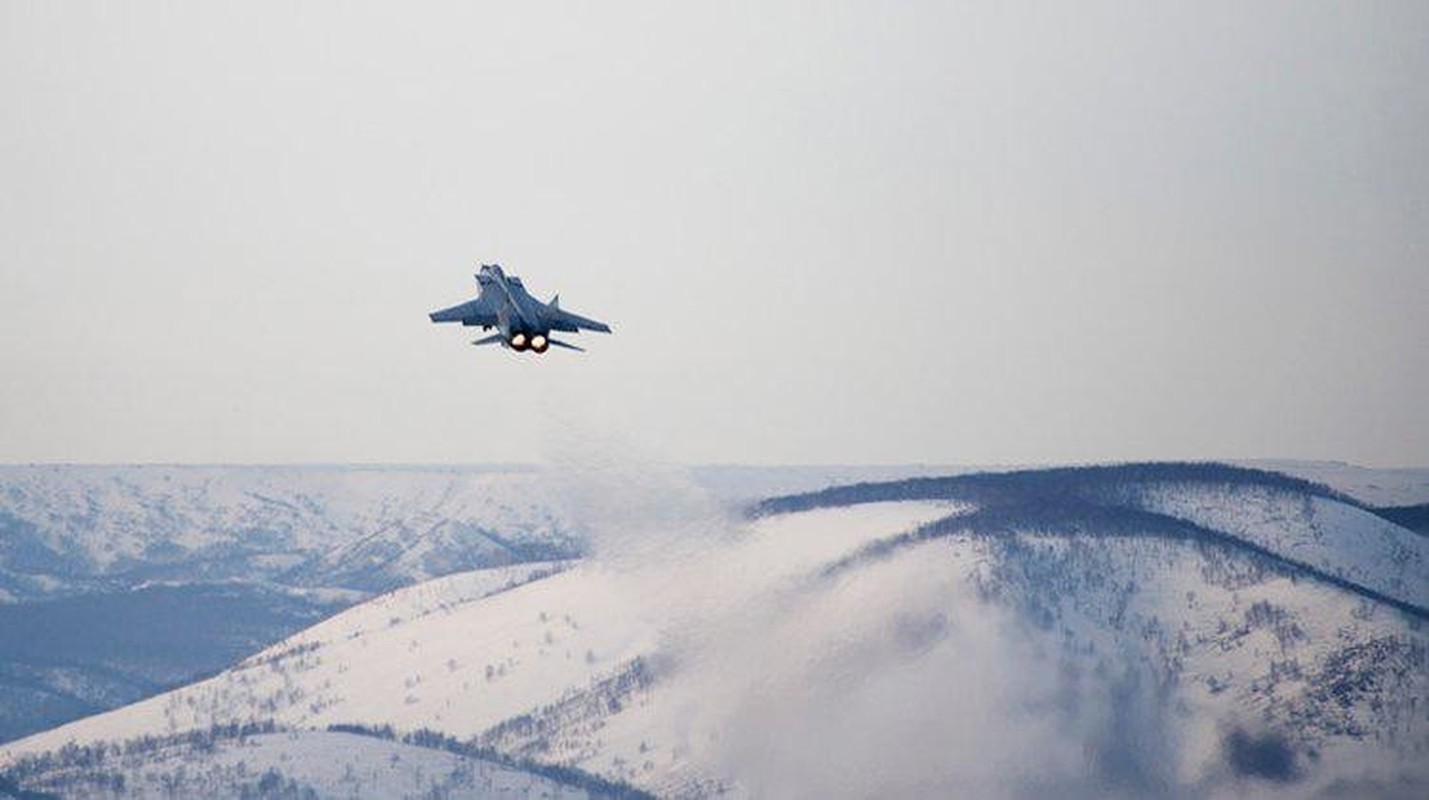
(475, 312)
(562, 320)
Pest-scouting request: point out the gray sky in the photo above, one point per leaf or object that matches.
(823, 232)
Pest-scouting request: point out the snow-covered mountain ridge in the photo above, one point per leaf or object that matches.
(1146, 630)
(1309, 526)
(69, 530)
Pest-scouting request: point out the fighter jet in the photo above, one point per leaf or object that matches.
(523, 322)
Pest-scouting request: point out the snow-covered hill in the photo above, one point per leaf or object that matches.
(98, 563)
(1331, 537)
(292, 765)
(240, 557)
(464, 653)
(1149, 630)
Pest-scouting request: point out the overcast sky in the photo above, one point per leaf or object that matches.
(823, 232)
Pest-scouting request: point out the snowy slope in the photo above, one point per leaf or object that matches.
(250, 553)
(1334, 537)
(451, 657)
(253, 554)
(299, 764)
(1120, 663)
(1375, 486)
(465, 664)
(862, 650)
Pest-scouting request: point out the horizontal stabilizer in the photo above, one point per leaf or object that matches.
(494, 338)
(559, 343)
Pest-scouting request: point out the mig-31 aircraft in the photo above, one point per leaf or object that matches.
(523, 322)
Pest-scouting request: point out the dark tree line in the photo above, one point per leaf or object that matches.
(594, 785)
(1024, 487)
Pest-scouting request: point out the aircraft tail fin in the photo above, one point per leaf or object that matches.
(556, 301)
